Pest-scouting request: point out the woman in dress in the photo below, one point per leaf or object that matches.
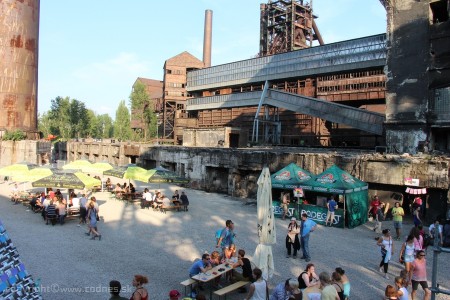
(407, 254)
(387, 250)
(141, 292)
(92, 215)
(258, 289)
(416, 216)
(292, 240)
(345, 282)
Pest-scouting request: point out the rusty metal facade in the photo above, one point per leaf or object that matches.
(287, 26)
(19, 33)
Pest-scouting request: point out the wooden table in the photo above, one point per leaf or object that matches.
(215, 272)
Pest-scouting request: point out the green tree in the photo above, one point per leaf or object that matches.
(44, 124)
(122, 129)
(142, 110)
(68, 118)
(106, 126)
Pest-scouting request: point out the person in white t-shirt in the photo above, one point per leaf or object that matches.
(147, 199)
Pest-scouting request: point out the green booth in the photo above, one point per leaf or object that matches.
(289, 178)
(352, 192)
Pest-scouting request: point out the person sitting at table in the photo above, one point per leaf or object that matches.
(247, 273)
(132, 188)
(184, 200)
(61, 211)
(125, 188)
(15, 194)
(51, 212)
(58, 193)
(118, 190)
(35, 203)
(215, 261)
(108, 184)
(176, 196)
(147, 199)
(200, 266)
(166, 202)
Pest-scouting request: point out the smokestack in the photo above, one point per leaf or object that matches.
(207, 39)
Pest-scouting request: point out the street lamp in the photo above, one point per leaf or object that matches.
(157, 129)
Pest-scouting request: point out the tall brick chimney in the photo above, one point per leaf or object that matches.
(207, 39)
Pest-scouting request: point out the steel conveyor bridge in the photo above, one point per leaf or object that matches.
(355, 117)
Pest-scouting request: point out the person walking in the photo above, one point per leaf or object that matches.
(379, 217)
(398, 213)
(419, 275)
(292, 240)
(407, 254)
(307, 226)
(284, 204)
(387, 250)
(92, 216)
(227, 236)
(331, 206)
(258, 289)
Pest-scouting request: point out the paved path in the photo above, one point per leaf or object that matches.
(163, 246)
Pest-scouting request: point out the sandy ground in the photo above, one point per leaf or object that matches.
(163, 246)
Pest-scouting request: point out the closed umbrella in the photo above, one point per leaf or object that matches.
(263, 257)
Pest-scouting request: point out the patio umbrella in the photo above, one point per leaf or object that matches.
(263, 257)
(79, 164)
(161, 175)
(17, 169)
(75, 180)
(33, 174)
(98, 168)
(130, 171)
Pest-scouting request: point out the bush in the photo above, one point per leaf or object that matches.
(17, 135)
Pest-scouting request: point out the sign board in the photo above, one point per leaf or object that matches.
(319, 214)
(411, 181)
(278, 211)
(298, 192)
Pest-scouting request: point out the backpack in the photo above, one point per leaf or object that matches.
(427, 240)
(219, 234)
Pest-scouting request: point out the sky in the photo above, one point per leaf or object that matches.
(94, 50)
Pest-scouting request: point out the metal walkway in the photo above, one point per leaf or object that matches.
(357, 118)
(362, 53)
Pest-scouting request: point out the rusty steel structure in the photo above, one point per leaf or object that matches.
(287, 26)
(19, 36)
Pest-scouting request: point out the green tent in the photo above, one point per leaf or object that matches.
(336, 181)
(290, 177)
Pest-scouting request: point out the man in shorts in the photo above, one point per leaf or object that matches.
(284, 204)
(419, 275)
(331, 205)
(397, 216)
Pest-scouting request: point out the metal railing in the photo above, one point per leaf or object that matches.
(434, 285)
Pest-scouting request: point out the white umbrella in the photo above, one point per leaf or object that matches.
(263, 257)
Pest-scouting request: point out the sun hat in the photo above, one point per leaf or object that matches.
(293, 219)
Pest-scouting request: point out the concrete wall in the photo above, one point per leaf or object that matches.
(31, 151)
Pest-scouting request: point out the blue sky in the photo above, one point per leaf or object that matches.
(93, 50)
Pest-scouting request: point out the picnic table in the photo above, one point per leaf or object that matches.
(210, 275)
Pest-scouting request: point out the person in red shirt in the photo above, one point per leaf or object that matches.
(374, 205)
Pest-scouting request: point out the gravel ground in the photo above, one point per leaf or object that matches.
(163, 246)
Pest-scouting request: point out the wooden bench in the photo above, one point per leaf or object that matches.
(232, 287)
(188, 283)
(166, 208)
